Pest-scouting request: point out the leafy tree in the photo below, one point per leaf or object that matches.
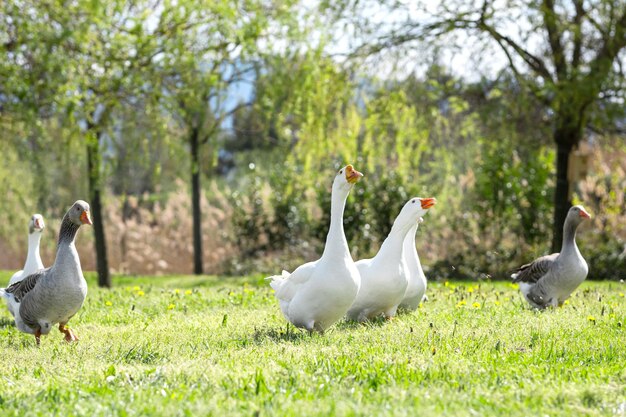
(91, 58)
(204, 64)
(565, 53)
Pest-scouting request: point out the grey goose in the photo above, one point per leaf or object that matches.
(551, 279)
(55, 294)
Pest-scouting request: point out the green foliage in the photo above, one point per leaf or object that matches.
(16, 192)
(213, 346)
(513, 191)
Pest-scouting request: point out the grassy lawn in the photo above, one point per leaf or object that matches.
(184, 346)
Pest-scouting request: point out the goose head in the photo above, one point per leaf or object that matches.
(36, 224)
(79, 213)
(346, 177)
(576, 215)
(413, 211)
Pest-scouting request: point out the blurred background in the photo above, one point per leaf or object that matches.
(205, 134)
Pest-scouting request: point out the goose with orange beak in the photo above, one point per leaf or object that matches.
(318, 294)
(416, 290)
(53, 295)
(550, 280)
(385, 277)
(33, 259)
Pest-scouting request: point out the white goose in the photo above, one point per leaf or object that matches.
(417, 280)
(317, 294)
(55, 294)
(33, 260)
(384, 278)
(551, 279)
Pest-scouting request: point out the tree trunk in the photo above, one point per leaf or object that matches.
(93, 166)
(562, 198)
(567, 135)
(195, 201)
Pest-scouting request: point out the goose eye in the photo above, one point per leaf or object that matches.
(412, 201)
(341, 171)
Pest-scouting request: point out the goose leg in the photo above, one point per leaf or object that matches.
(38, 336)
(69, 335)
(390, 314)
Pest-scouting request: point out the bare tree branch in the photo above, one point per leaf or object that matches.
(578, 37)
(218, 121)
(534, 89)
(601, 64)
(554, 38)
(535, 63)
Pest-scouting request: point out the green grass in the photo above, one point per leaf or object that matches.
(184, 346)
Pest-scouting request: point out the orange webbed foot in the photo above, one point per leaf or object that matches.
(69, 334)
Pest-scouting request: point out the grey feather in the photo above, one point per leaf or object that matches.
(533, 271)
(23, 287)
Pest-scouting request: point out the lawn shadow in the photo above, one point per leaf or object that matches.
(353, 324)
(4, 322)
(283, 334)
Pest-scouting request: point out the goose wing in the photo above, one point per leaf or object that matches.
(532, 272)
(23, 287)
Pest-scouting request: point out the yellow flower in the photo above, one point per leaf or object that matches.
(621, 294)
(506, 299)
(470, 289)
(421, 305)
(176, 291)
(461, 303)
(476, 305)
(188, 292)
(497, 302)
(445, 284)
(612, 315)
(108, 303)
(136, 288)
(566, 302)
(140, 293)
(591, 319)
(513, 285)
(171, 307)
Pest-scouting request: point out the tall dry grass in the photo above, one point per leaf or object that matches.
(143, 236)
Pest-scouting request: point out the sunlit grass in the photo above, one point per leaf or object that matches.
(211, 346)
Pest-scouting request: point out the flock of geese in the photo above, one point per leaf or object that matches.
(315, 295)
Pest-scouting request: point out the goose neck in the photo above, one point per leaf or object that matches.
(409, 240)
(393, 245)
(569, 236)
(336, 239)
(33, 259)
(68, 231)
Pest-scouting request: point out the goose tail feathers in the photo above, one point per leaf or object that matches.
(278, 280)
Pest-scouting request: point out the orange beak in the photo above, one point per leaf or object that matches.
(428, 202)
(85, 218)
(352, 175)
(584, 214)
